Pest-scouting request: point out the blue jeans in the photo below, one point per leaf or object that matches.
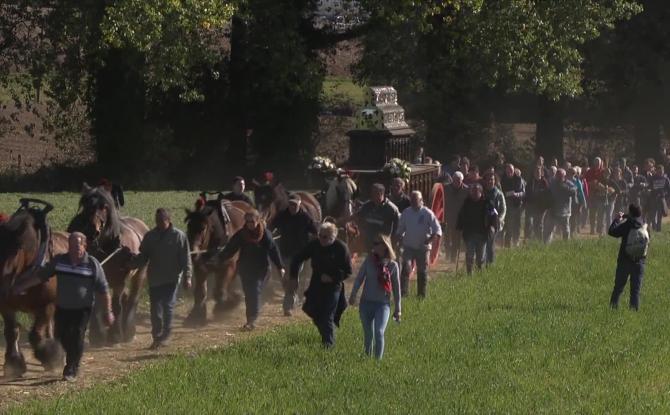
(490, 255)
(623, 270)
(252, 285)
(162, 299)
(374, 318)
(291, 288)
(474, 247)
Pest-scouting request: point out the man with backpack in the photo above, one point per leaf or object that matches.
(632, 253)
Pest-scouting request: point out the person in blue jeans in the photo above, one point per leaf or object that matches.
(257, 248)
(379, 276)
(166, 250)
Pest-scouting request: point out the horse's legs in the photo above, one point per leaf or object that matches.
(198, 314)
(129, 304)
(226, 298)
(46, 349)
(15, 363)
(115, 332)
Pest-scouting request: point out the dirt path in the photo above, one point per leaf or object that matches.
(110, 363)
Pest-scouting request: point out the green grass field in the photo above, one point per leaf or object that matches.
(342, 92)
(138, 204)
(533, 334)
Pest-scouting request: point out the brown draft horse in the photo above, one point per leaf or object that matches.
(207, 233)
(22, 246)
(272, 198)
(106, 232)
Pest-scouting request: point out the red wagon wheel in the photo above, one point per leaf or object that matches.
(437, 206)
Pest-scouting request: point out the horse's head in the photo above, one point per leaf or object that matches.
(98, 217)
(340, 195)
(204, 229)
(19, 244)
(197, 229)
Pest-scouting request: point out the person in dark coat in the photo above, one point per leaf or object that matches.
(296, 228)
(627, 266)
(536, 201)
(256, 247)
(475, 225)
(378, 215)
(325, 299)
(514, 189)
(238, 192)
(398, 195)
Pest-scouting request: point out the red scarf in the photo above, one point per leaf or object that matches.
(383, 273)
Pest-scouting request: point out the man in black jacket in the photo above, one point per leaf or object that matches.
(378, 215)
(238, 192)
(475, 225)
(627, 266)
(325, 299)
(296, 227)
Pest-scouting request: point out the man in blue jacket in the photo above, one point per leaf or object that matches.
(628, 265)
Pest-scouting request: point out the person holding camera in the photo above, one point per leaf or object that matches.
(632, 254)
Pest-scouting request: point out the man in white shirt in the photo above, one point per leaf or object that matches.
(419, 229)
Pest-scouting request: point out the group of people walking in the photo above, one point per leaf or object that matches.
(399, 233)
(550, 200)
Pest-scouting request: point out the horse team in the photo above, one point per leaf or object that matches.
(26, 242)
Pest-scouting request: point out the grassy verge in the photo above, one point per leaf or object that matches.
(531, 335)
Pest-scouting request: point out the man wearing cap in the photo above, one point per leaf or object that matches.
(296, 228)
(454, 197)
(238, 192)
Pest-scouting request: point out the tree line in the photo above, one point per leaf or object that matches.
(165, 84)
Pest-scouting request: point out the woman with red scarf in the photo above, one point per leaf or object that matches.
(379, 275)
(256, 247)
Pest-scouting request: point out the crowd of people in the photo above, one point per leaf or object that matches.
(548, 200)
(399, 233)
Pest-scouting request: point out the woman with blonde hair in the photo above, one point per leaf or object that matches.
(379, 274)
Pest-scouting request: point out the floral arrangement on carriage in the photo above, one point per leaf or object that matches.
(319, 168)
(397, 168)
(321, 164)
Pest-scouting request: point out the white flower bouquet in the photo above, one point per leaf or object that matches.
(398, 168)
(321, 164)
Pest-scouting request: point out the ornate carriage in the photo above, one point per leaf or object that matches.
(382, 135)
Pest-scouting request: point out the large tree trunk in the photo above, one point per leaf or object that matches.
(549, 133)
